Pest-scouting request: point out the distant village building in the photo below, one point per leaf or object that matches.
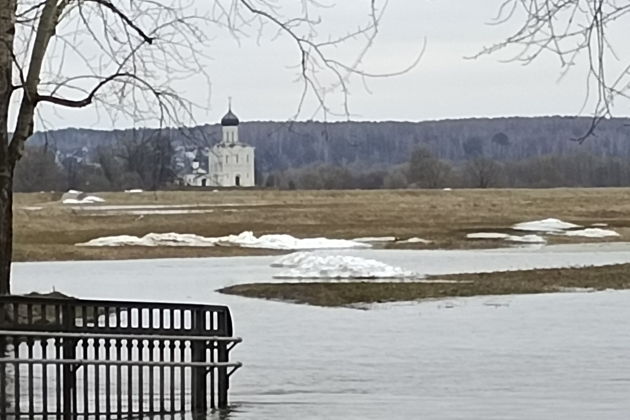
(230, 162)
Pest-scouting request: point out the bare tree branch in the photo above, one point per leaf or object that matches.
(571, 30)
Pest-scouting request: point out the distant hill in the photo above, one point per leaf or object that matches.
(365, 145)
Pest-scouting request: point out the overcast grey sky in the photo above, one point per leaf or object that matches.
(259, 77)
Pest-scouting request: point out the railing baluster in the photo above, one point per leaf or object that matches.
(108, 371)
(58, 377)
(182, 373)
(161, 346)
(16, 378)
(151, 347)
(118, 344)
(129, 346)
(30, 374)
(172, 374)
(44, 347)
(97, 374)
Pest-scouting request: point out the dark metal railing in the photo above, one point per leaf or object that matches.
(69, 358)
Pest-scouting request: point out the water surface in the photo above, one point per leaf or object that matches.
(554, 356)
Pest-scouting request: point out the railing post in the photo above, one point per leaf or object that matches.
(4, 316)
(225, 326)
(198, 354)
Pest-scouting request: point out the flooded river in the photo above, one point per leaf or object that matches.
(560, 356)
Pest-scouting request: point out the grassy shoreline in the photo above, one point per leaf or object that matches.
(463, 285)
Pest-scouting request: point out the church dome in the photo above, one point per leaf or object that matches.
(229, 119)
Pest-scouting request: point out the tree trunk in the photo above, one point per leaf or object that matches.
(6, 232)
(7, 31)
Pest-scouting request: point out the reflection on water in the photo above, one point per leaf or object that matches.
(560, 356)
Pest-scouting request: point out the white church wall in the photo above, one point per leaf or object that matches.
(234, 166)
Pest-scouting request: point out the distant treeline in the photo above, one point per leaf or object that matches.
(370, 145)
(501, 152)
(151, 169)
(424, 170)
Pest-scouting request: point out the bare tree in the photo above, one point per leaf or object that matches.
(482, 172)
(124, 58)
(427, 171)
(578, 32)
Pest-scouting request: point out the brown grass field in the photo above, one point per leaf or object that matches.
(443, 217)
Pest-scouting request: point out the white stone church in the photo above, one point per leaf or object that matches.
(230, 162)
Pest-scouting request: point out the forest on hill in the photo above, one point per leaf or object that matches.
(510, 152)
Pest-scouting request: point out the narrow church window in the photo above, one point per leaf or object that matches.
(236, 158)
(227, 159)
(247, 158)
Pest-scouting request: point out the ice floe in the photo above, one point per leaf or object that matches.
(529, 239)
(546, 225)
(414, 240)
(304, 265)
(592, 233)
(245, 239)
(376, 239)
(88, 199)
(487, 235)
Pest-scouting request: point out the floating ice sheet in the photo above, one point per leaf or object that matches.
(303, 265)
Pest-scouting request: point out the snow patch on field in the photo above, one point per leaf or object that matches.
(546, 225)
(414, 240)
(134, 191)
(304, 265)
(147, 212)
(245, 239)
(529, 239)
(376, 239)
(152, 239)
(550, 227)
(593, 233)
(487, 235)
(88, 199)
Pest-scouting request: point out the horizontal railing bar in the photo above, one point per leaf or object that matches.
(81, 362)
(111, 414)
(110, 303)
(45, 334)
